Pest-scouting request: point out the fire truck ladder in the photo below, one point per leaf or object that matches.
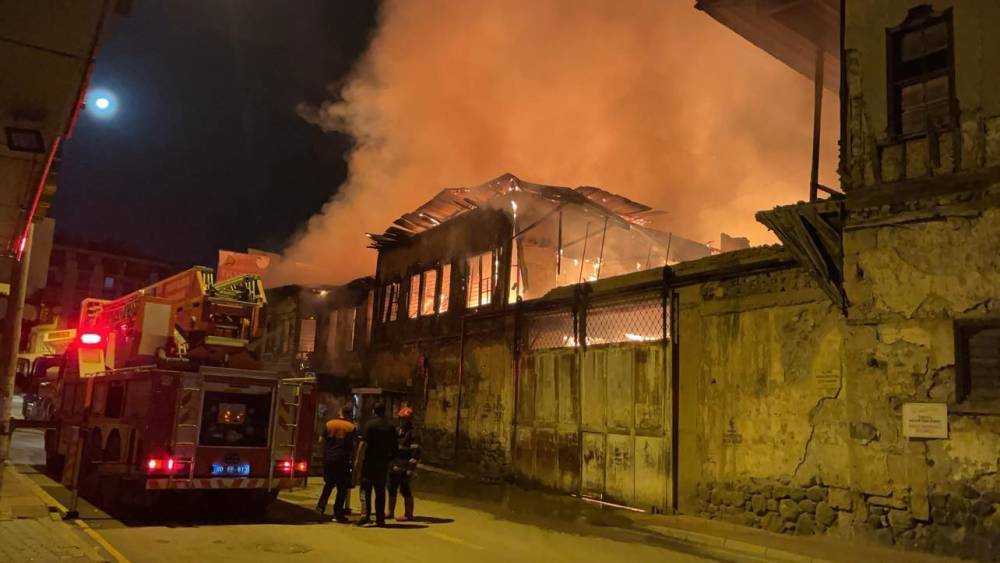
(188, 428)
(286, 424)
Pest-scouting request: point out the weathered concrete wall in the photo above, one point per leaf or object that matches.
(428, 372)
(910, 273)
(871, 154)
(761, 401)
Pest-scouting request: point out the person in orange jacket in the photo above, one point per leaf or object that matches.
(339, 449)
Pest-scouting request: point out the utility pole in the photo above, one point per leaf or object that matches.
(10, 345)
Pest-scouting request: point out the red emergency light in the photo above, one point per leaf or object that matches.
(286, 466)
(91, 339)
(165, 466)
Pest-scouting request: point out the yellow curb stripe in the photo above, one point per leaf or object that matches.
(50, 501)
(119, 557)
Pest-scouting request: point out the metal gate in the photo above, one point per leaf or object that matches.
(594, 402)
(624, 443)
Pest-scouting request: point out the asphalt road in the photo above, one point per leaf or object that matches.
(450, 527)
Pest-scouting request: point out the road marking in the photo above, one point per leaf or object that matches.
(119, 557)
(50, 501)
(453, 539)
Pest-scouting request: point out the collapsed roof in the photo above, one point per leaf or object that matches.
(451, 203)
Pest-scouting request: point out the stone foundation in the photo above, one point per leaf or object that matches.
(963, 522)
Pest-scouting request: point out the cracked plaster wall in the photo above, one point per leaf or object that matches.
(910, 272)
(761, 390)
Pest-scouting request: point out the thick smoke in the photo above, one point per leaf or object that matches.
(651, 99)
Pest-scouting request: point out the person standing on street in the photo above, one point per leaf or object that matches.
(380, 448)
(404, 464)
(337, 453)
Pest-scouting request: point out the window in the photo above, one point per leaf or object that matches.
(307, 335)
(412, 308)
(390, 306)
(481, 279)
(109, 283)
(977, 359)
(445, 293)
(920, 71)
(368, 316)
(352, 317)
(429, 292)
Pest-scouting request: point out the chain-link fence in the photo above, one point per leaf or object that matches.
(638, 320)
(634, 318)
(551, 330)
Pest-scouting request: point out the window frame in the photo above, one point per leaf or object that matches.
(920, 17)
(964, 330)
(493, 257)
(390, 302)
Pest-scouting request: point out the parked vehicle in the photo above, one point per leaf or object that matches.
(159, 394)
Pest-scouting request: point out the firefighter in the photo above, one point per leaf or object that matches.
(380, 448)
(339, 447)
(404, 464)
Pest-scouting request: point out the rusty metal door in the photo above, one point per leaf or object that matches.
(624, 437)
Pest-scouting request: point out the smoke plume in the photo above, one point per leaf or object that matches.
(650, 99)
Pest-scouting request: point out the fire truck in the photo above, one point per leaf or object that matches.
(159, 394)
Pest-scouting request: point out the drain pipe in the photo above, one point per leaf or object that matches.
(458, 402)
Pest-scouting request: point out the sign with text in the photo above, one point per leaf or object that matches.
(232, 264)
(925, 420)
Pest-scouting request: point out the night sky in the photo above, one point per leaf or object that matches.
(206, 150)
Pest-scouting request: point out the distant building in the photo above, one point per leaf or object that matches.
(78, 270)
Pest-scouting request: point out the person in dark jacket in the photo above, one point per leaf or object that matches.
(379, 436)
(404, 464)
(338, 451)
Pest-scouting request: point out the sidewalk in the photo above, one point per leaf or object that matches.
(767, 546)
(32, 531)
(729, 541)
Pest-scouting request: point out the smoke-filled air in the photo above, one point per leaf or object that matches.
(650, 99)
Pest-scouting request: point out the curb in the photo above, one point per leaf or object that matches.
(736, 546)
(58, 513)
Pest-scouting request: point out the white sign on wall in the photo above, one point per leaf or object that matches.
(925, 420)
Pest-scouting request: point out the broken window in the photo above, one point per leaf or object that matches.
(307, 335)
(920, 73)
(390, 308)
(977, 358)
(429, 292)
(412, 308)
(445, 293)
(481, 279)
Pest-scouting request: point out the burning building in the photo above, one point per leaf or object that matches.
(509, 240)
(844, 382)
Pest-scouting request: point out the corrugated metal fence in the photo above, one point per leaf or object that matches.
(593, 398)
